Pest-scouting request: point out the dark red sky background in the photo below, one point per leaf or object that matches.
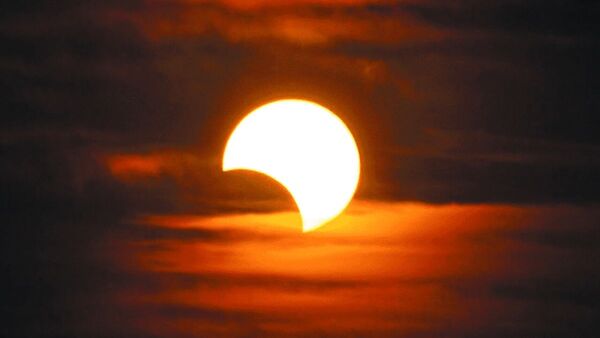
(477, 212)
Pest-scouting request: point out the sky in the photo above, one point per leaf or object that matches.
(477, 211)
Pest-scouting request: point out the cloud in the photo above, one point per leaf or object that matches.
(130, 166)
(405, 83)
(218, 280)
(305, 24)
(410, 269)
(557, 18)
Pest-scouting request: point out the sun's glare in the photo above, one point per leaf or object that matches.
(306, 148)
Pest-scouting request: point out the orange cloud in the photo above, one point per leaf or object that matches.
(293, 22)
(130, 166)
(374, 234)
(133, 166)
(260, 4)
(381, 267)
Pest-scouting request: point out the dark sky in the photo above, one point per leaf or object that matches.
(477, 123)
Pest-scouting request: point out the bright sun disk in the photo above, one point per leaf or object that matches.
(306, 148)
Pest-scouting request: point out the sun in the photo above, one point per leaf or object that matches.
(306, 148)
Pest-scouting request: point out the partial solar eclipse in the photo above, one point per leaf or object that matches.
(306, 148)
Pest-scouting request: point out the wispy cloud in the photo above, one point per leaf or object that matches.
(407, 268)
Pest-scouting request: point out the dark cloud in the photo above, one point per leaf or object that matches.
(93, 68)
(152, 233)
(579, 292)
(490, 181)
(164, 280)
(550, 18)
